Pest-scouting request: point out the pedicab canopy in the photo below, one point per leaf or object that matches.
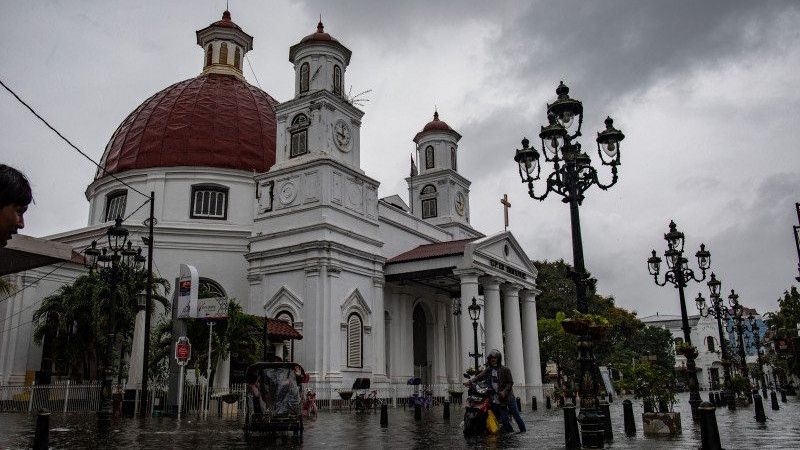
(281, 330)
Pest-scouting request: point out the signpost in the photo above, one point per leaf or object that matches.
(183, 353)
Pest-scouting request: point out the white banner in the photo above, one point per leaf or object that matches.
(188, 283)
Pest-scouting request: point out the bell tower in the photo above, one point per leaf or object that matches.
(438, 193)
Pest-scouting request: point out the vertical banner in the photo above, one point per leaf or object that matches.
(188, 284)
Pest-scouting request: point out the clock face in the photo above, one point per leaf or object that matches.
(460, 204)
(342, 136)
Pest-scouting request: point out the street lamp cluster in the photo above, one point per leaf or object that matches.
(572, 174)
(719, 311)
(110, 263)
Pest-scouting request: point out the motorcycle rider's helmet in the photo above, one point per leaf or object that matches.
(495, 353)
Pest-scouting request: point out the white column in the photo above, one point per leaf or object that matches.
(513, 356)
(494, 321)
(469, 290)
(222, 374)
(378, 329)
(530, 340)
(137, 351)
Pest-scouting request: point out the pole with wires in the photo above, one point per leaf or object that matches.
(148, 304)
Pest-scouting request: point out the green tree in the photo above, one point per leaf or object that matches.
(783, 325)
(558, 347)
(75, 319)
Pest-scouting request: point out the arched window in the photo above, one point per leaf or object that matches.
(453, 158)
(223, 53)
(428, 198)
(209, 201)
(288, 346)
(337, 80)
(429, 162)
(304, 69)
(208, 288)
(115, 205)
(209, 54)
(237, 59)
(355, 337)
(710, 342)
(299, 136)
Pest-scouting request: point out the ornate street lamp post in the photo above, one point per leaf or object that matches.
(796, 229)
(572, 175)
(475, 314)
(738, 327)
(720, 312)
(109, 262)
(755, 333)
(679, 274)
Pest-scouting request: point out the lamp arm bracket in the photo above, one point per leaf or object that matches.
(614, 178)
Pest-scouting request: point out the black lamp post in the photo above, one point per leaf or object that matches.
(797, 238)
(109, 263)
(679, 274)
(720, 312)
(475, 314)
(572, 175)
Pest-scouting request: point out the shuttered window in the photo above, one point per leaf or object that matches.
(237, 59)
(354, 341)
(337, 80)
(299, 134)
(209, 202)
(115, 205)
(428, 198)
(304, 69)
(223, 53)
(209, 53)
(429, 162)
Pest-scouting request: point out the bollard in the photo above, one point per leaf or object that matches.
(749, 397)
(712, 399)
(446, 413)
(417, 412)
(774, 397)
(534, 406)
(572, 438)
(41, 437)
(764, 392)
(709, 433)
(548, 404)
(519, 404)
(384, 416)
(608, 433)
(630, 422)
(759, 406)
(610, 398)
(783, 396)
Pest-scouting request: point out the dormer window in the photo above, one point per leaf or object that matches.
(304, 69)
(428, 198)
(115, 205)
(429, 162)
(209, 202)
(223, 53)
(337, 80)
(299, 136)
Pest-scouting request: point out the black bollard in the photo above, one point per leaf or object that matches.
(549, 405)
(446, 413)
(759, 406)
(610, 398)
(572, 438)
(774, 397)
(384, 416)
(417, 412)
(534, 406)
(709, 433)
(712, 399)
(783, 396)
(519, 404)
(764, 392)
(608, 433)
(41, 437)
(630, 422)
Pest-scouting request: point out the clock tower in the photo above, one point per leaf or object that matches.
(437, 192)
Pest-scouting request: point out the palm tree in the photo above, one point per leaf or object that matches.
(75, 319)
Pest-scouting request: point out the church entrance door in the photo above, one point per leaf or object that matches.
(421, 366)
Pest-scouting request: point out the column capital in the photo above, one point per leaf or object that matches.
(491, 283)
(467, 275)
(511, 288)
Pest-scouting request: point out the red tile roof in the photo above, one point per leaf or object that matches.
(281, 330)
(436, 250)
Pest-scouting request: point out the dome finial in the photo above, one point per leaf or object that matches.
(320, 27)
(435, 113)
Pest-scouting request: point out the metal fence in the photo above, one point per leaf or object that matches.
(200, 401)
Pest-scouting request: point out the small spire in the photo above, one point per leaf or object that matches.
(435, 115)
(320, 27)
(226, 15)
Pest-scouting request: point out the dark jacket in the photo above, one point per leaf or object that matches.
(505, 381)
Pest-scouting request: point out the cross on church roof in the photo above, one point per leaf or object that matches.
(506, 205)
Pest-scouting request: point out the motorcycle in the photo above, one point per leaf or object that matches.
(476, 408)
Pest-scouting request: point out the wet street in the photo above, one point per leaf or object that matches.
(351, 430)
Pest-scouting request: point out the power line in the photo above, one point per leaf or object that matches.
(253, 71)
(67, 140)
(32, 283)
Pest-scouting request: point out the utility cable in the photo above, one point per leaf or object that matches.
(67, 140)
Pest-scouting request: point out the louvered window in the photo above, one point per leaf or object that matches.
(299, 136)
(209, 53)
(453, 162)
(354, 341)
(115, 205)
(337, 80)
(209, 202)
(237, 59)
(304, 69)
(429, 162)
(428, 199)
(223, 53)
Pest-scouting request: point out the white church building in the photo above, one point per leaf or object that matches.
(268, 200)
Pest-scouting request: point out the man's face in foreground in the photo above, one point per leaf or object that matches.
(11, 220)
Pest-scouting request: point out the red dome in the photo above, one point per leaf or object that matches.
(213, 120)
(320, 35)
(226, 21)
(436, 124)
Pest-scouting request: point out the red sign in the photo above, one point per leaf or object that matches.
(183, 350)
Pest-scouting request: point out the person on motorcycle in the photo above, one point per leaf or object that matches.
(501, 382)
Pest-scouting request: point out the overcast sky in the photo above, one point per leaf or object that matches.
(707, 93)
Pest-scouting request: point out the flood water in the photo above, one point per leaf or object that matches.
(345, 429)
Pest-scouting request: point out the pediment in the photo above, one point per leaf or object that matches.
(502, 251)
(355, 302)
(282, 299)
